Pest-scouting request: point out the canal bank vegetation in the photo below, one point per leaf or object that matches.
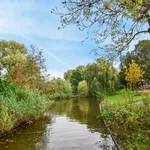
(125, 102)
(127, 112)
(114, 32)
(26, 90)
(94, 80)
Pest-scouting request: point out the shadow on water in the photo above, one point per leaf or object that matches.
(73, 126)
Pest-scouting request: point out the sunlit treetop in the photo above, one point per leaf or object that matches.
(134, 73)
(117, 21)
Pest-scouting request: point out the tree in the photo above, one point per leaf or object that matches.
(83, 89)
(120, 21)
(57, 86)
(75, 76)
(141, 55)
(23, 66)
(124, 64)
(67, 75)
(134, 74)
(101, 78)
(12, 54)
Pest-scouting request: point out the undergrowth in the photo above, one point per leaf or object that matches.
(128, 117)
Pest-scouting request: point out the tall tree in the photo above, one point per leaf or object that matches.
(141, 55)
(23, 66)
(101, 78)
(120, 21)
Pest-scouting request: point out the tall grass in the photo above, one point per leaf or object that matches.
(17, 105)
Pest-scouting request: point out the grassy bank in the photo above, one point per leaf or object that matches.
(128, 117)
(17, 105)
(61, 96)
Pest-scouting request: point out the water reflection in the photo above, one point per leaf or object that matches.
(74, 126)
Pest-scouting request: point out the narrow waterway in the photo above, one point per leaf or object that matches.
(68, 125)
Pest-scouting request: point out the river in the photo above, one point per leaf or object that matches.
(67, 125)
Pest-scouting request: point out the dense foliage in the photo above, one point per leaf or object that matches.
(134, 74)
(25, 87)
(100, 76)
(83, 89)
(75, 76)
(141, 56)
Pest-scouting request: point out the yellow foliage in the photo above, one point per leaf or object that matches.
(134, 73)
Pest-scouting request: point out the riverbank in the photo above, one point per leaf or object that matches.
(61, 96)
(127, 115)
(20, 105)
(70, 124)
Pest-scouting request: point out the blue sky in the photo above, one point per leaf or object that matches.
(30, 22)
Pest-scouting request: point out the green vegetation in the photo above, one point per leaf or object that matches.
(83, 89)
(25, 87)
(19, 105)
(128, 117)
(100, 76)
(26, 90)
(118, 22)
(58, 87)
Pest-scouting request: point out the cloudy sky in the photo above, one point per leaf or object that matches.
(30, 22)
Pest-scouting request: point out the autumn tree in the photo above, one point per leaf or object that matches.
(23, 66)
(141, 55)
(134, 74)
(120, 21)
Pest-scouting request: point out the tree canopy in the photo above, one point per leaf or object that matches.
(141, 56)
(134, 74)
(119, 21)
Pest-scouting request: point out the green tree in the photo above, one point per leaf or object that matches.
(101, 78)
(141, 55)
(57, 86)
(75, 76)
(83, 89)
(12, 54)
(24, 66)
(68, 74)
(124, 64)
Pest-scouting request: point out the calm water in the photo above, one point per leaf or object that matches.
(68, 125)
